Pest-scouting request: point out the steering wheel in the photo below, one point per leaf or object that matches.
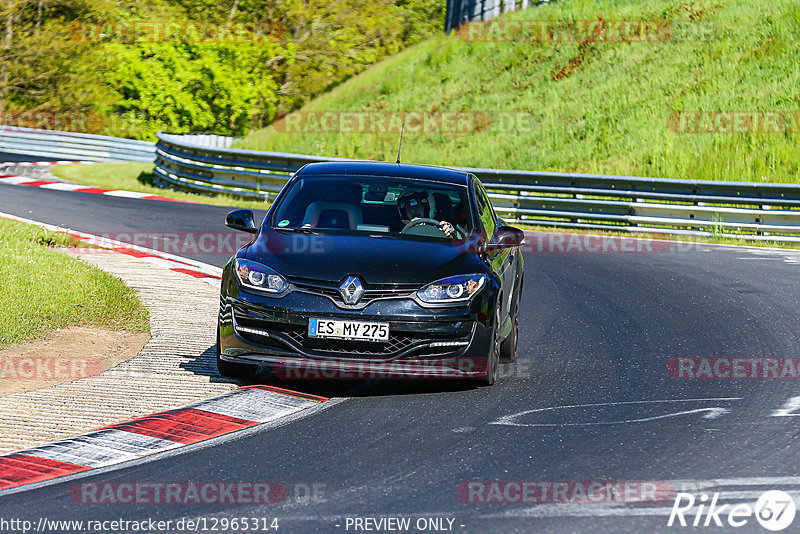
(421, 221)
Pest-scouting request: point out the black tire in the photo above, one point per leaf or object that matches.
(508, 348)
(241, 371)
(494, 358)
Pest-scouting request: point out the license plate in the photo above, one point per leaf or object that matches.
(350, 330)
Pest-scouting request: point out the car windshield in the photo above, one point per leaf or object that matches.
(376, 204)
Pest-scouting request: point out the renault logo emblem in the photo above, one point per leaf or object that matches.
(351, 290)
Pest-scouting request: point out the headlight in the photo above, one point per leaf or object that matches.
(254, 275)
(453, 289)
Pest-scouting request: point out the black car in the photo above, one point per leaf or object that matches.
(364, 270)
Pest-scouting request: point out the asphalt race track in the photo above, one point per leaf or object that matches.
(597, 329)
(8, 156)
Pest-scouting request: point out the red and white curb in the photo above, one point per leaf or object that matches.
(11, 179)
(179, 264)
(43, 163)
(239, 409)
(61, 186)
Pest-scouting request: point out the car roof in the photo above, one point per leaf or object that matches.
(393, 170)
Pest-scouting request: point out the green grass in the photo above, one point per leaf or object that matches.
(610, 116)
(44, 289)
(138, 177)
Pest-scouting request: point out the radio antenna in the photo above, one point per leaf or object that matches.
(403, 127)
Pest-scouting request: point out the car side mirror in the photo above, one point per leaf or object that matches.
(507, 237)
(243, 220)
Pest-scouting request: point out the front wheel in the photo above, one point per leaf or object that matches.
(493, 358)
(508, 348)
(241, 371)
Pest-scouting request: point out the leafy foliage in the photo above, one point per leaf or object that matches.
(182, 83)
(190, 87)
(36, 58)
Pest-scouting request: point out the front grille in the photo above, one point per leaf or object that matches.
(287, 336)
(371, 292)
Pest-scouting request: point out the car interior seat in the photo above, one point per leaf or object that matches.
(324, 214)
(344, 213)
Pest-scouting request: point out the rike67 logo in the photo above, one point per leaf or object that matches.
(774, 510)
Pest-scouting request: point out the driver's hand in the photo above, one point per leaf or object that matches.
(447, 228)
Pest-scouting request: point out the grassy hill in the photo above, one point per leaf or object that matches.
(600, 106)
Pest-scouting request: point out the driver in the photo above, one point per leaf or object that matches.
(417, 205)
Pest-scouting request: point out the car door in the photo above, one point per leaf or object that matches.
(501, 260)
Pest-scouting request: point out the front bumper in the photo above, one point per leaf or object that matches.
(423, 342)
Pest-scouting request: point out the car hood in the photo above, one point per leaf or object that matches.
(376, 259)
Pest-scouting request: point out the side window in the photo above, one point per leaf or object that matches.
(485, 211)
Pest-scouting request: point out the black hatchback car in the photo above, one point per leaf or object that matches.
(373, 270)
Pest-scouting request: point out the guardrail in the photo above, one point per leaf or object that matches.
(458, 12)
(750, 210)
(208, 140)
(244, 173)
(72, 145)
